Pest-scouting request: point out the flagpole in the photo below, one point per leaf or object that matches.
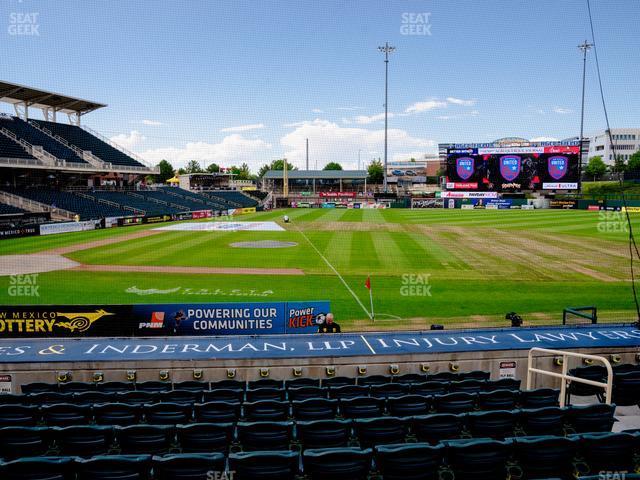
(373, 317)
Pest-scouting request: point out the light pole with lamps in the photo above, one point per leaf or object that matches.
(387, 49)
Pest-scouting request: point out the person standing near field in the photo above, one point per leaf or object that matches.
(329, 326)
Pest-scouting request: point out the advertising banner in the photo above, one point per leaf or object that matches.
(201, 214)
(15, 232)
(337, 194)
(563, 204)
(145, 320)
(65, 227)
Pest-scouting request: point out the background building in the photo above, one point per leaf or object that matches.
(626, 141)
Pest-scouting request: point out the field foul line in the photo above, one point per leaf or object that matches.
(368, 345)
(336, 272)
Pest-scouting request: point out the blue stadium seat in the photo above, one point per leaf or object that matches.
(409, 405)
(409, 378)
(223, 395)
(265, 435)
(145, 439)
(609, 452)
(338, 381)
(374, 380)
(205, 437)
(305, 392)
(626, 388)
(114, 387)
(38, 387)
(189, 467)
(153, 386)
(389, 390)
(191, 386)
(76, 387)
(444, 377)
(301, 382)
(458, 402)
(264, 383)
(498, 424)
(229, 384)
(546, 457)
(538, 398)
(265, 394)
(429, 388)
(38, 468)
(268, 465)
(337, 463)
(362, 407)
(478, 459)
(48, 398)
(122, 414)
(502, 384)
(137, 398)
(436, 428)
(591, 418)
(18, 441)
(475, 375)
(12, 399)
(88, 398)
(498, 400)
(324, 433)
(181, 396)
(348, 391)
(168, 413)
(380, 431)
(216, 412)
(84, 441)
(314, 409)
(416, 461)
(597, 373)
(266, 410)
(65, 414)
(18, 415)
(468, 386)
(115, 467)
(543, 421)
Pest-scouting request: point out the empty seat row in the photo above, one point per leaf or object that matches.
(525, 458)
(86, 440)
(193, 385)
(132, 411)
(626, 383)
(386, 390)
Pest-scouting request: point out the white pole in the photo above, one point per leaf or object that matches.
(371, 299)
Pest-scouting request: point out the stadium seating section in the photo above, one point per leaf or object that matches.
(34, 136)
(86, 141)
(10, 149)
(453, 426)
(9, 209)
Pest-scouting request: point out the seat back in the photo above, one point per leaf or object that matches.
(591, 418)
(337, 463)
(189, 466)
(145, 439)
(314, 409)
(478, 459)
(265, 410)
(362, 407)
(115, 467)
(409, 405)
(416, 461)
(269, 465)
(205, 437)
(38, 468)
(435, 428)
(15, 442)
(380, 431)
(265, 435)
(215, 412)
(84, 440)
(324, 433)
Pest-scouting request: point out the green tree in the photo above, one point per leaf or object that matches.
(242, 172)
(193, 167)
(332, 166)
(275, 165)
(166, 172)
(633, 165)
(213, 168)
(182, 171)
(595, 168)
(375, 172)
(618, 165)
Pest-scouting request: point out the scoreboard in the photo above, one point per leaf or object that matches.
(484, 167)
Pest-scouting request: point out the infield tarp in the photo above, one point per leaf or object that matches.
(307, 346)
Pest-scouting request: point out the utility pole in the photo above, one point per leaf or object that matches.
(387, 49)
(307, 154)
(585, 47)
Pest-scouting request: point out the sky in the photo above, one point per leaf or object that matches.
(248, 81)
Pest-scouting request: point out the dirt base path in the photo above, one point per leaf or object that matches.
(196, 270)
(101, 243)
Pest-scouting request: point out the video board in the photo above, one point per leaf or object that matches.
(513, 169)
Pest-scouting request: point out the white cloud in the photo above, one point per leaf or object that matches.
(330, 142)
(349, 109)
(243, 128)
(366, 119)
(472, 113)
(459, 101)
(544, 139)
(317, 110)
(151, 123)
(425, 106)
(562, 110)
(130, 140)
(232, 150)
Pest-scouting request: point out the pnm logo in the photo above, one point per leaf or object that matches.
(558, 166)
(80, 322)
(510, 167)
(157, 321)
(465, 167)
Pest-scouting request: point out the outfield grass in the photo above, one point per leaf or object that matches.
(478, 265)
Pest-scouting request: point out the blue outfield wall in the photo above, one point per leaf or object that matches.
(316, 345)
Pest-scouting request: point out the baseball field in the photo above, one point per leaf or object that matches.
(462, 267)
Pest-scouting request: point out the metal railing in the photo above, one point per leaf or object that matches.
(127, 152)
(564, 376)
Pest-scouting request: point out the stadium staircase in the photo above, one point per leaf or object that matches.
(413, 426)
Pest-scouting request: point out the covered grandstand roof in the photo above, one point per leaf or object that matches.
(18, 94)
(318, 174)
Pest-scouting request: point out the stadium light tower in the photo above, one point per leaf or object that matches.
(584, 48)
(387, 49)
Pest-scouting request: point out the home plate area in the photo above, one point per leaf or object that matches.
(224, 226)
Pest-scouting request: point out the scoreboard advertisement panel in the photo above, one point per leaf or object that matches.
(513, 169)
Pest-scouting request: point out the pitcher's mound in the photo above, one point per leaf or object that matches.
(24, 264)
(264, 244)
